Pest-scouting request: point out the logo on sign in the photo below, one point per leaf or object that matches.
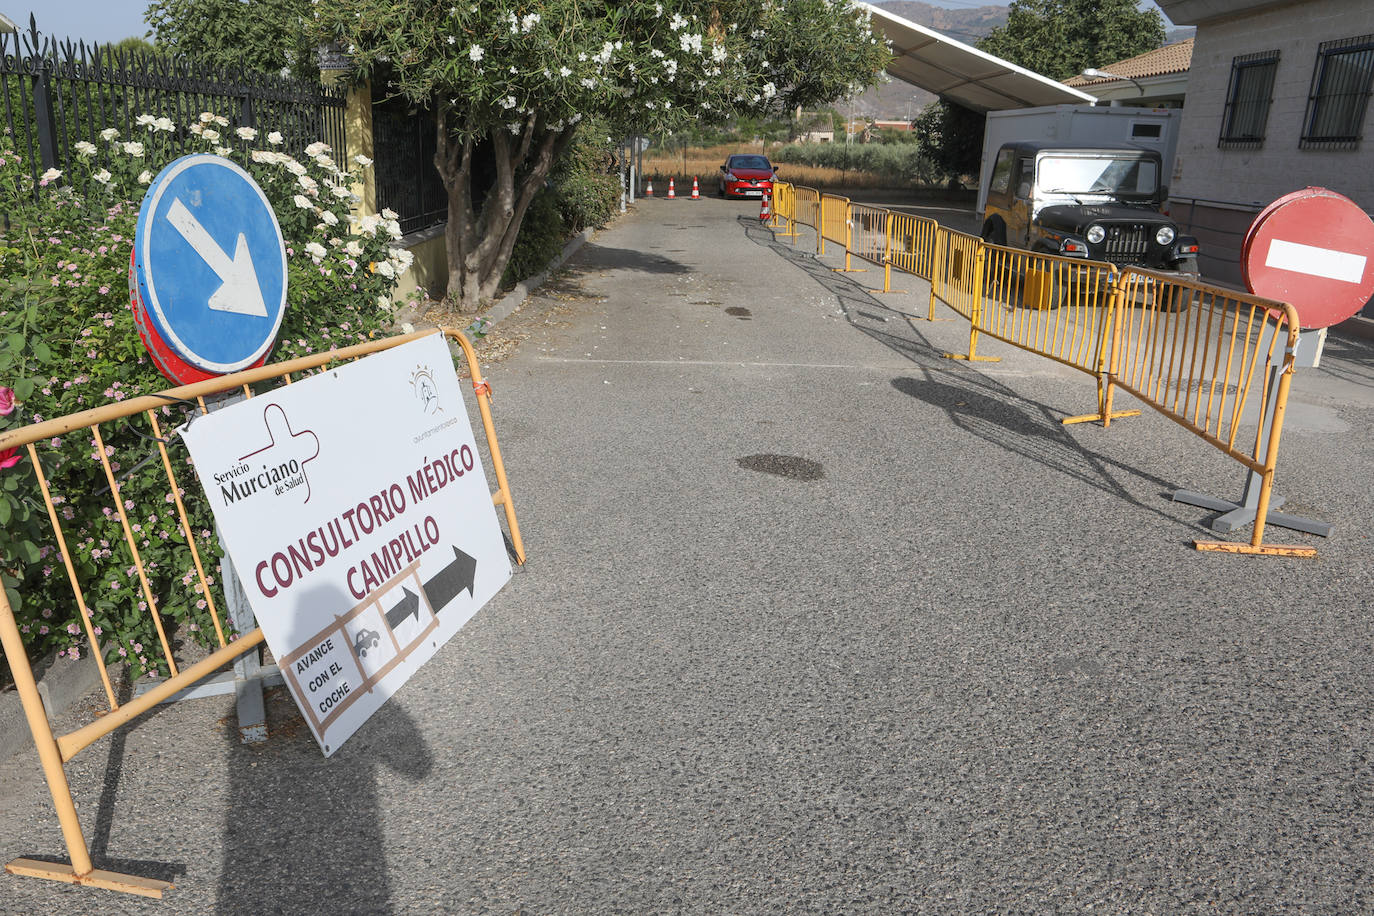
(277, 468)
(422, 382)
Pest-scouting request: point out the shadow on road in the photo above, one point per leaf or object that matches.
(974, 401)
(303, 833)
(599, 256)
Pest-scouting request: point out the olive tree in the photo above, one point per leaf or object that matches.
(508, 82)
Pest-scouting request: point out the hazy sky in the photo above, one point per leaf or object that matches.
(91, 20)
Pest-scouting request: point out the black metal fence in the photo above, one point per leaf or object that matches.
(403, 146)
(59, 93)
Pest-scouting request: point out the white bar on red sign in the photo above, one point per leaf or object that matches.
(1318, 262)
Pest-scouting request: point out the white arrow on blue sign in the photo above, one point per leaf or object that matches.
(210, 263)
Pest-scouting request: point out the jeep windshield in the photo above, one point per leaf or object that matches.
(1123, 176)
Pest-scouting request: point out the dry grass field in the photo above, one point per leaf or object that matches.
(705, 163)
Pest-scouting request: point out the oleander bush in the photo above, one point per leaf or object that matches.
(68, 342)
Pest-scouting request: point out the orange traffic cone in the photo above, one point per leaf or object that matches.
(766, 211)
(672, 194)
(696, 192)
(649, 191)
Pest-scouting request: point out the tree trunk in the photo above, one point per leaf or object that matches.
(479, 240)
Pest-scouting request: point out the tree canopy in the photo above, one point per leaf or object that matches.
(1055, 38)
(267, 35)
(508, 81)
(1059, 38)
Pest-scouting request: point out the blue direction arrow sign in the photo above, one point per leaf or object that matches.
(210, 264)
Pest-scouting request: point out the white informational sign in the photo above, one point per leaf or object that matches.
(358, 516)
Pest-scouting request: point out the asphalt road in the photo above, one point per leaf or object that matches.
(814, 621)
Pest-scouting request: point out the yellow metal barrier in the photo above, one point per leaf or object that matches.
(807, 206)
(911, 244)
(1055, 306)
(38, 440)
(1201, 355)
(834, 223)
(784, 208)
(1191, 351)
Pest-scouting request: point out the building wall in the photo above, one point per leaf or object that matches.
(1220, 190)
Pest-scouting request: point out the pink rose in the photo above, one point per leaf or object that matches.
(6, 401)
(9, 458)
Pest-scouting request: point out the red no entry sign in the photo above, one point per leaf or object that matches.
(1313, 248)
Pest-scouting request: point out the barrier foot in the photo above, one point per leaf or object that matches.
(971, 358)
(113, 881)
(887, 291)
(1266, 550)
(1238, 515)
(850, 270)
(1089, 417)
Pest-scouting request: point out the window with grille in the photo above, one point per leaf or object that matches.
(1340, 92)
(1248, 99)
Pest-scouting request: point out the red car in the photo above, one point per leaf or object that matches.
(746, 176)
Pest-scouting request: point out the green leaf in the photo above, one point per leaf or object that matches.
(41, 352)
(15, 341)
(5, 511)
(30, 552)
(23, 389)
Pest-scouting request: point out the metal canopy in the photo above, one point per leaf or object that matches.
(960, 73)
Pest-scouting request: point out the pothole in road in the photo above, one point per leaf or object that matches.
(740, 312)
(789, 466)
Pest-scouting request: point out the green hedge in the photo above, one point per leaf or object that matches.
(900, 162)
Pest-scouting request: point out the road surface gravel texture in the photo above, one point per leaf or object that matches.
(814, 621)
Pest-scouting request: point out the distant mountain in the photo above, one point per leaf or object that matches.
(896, 100)
(966, 25)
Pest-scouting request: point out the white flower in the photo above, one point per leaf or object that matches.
(303, 202)
(246, 133)
(403, 257)
(84, 149)
(164, 124)
(362, 160)
(341, 192)
(718, 53)
(476, 53)
(292, 166)
(145, 120)
(769, 90)
(206, 117)
(145, 176)
(102, 176)
(134, 149)
(329, 218)
(452, 40)
(262, 155)
(678, 22)
(108, 134)
(386, 270)
(508, 102)
(222, 151)
(564, 71)
(393, 228)
(316, 149)
(354, 248)
(50, 175)
(307, 183)
(197, 128)
(221, 121)
(326, 163)
(210, 134)
(368, 224)
(529, 22)
(316, 250)
(388, 213)
(275, 138)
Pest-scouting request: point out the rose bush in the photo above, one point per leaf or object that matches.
(68, 342)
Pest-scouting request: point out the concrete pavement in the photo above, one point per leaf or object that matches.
(814, 621)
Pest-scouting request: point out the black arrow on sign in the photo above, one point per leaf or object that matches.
(409, 606)
(451, 581)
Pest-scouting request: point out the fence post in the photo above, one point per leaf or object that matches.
(42, 98)
(334, 69)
